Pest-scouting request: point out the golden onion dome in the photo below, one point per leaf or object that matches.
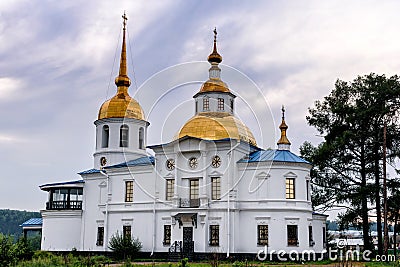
(216, 126)
(122, 105)
(214, 85)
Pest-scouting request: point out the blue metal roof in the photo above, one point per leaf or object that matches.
(89, 171)
(274, 155)
(136, 162)
(33, 222)
(63, 183)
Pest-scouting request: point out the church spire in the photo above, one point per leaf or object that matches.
(283, 143)
(214, 58)
(123, 81)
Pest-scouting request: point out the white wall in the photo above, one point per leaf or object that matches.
(61, 230)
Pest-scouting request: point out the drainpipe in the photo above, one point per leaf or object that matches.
(229, 191)
(103, 172)
(154, 213)
(154, 227)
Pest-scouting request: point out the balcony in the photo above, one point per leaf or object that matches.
(64, 205)
(189, 203)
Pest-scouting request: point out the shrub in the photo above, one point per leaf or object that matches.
(124, 246)
(22, 250)
(6, 250)
(184, 263)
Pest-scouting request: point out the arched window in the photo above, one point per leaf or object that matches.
(141, 138)
(105, 136)
(232, 105)
(124, 136)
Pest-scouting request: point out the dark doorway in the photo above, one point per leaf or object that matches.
(188, 244)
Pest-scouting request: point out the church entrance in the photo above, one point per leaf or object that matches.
(188, 243)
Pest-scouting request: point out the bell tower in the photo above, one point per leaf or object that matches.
(121, 128)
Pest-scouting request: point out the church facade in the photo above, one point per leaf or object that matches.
(193, 195)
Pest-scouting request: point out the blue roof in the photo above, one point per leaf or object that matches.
(274, 155)
(64, 183)
(136, 162)
(89, 171)
(33, 222)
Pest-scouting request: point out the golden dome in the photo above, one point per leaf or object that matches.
(122, 105)
(216, 126)
(214, 85)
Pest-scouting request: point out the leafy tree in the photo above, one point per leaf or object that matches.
(347, 165)
(6, 250)
(393, 204)
(124, 247)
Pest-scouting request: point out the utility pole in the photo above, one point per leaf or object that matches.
(385, 223)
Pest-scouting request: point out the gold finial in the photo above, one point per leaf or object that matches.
(214, 56)
(283, 127)
(123, 81)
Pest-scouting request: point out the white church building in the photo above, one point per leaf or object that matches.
(193, 194)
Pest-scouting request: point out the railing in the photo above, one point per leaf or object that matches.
(64, 205)
(189, 203)
(176, 247)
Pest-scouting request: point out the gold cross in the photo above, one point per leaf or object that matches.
(283, 112)
(125, 18)
(215, 33)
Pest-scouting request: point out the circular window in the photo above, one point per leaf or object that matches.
(193, 163)
(170, 164)
(216, 161)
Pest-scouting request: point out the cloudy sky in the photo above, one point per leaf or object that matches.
(58, 60)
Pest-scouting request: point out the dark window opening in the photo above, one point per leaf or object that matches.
(214, 235)
(141, 138)
(124, 136)
(292, 235)
(100, 236)
(105, 136)
(310, 236)
(167, 235)
(127, 231)
(262, 235)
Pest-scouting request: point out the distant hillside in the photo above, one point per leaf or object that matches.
(10, 221)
